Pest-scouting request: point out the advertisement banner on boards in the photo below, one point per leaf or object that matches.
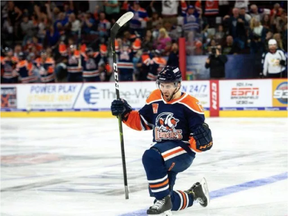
(245, 93)
(100, 95)
(89, 96)
(280, 92)
(47, 96)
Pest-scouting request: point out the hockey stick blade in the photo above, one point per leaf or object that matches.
(121, 21)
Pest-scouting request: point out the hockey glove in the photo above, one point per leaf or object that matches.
(201, 139)
(121, 107)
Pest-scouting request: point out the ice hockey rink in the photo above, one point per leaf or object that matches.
(72, 166)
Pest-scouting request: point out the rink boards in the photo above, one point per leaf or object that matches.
(223, 98)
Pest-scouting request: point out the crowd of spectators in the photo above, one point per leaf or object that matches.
(34, 31)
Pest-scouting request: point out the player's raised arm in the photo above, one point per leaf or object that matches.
(131, 118)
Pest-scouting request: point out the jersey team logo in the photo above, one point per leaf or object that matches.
(166, 127)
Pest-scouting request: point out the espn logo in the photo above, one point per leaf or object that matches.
(245, 92)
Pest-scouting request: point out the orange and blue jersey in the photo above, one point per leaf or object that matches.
(191, 21)
(140, 14)
(24, 69)
(73, 63)
(90, 65)
(157, 64)
(8, 65)
(173, 120)
(125, 62)
(46, 69)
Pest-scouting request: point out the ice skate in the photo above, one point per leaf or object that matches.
(200, 192)
(161, 207)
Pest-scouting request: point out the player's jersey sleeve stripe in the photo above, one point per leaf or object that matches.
(144, 123)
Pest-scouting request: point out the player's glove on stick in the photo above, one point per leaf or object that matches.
(121, 107)
(201, 139)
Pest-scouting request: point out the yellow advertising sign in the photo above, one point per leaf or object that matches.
(280, 92)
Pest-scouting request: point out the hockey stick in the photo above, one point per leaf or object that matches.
(114, 30)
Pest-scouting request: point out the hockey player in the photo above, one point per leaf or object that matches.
(9, 66)
(74, 68)
(125, 62)
(24, 70)
(90, 61)
(179, 132)
(46, 66)
(274, 62)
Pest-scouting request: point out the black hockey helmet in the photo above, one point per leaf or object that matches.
(169, 74)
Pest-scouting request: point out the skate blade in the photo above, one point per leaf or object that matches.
(166, 213)
(205, 189)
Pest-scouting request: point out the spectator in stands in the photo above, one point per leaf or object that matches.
(112, 10)
(257, 36)
(247, 17)
(88, 24)
(254, 12)
(155, 20)
(104, 25)
(14, 15)
(163, 42)
(174, 33)
(269, 35)
(173, 58)
(276, 11)
(278, 39)
(230, 47)
(170, 11)
(61, 19)
(26, 28)
(220, 35)
(147, 42)
(236, 26)
(191, 21)
(52, 37)
(216, 62)
(68, 8)
(266, 22)
(211, 10)
(139, 22)
(281, 22)
(73, 24)
(52, 15)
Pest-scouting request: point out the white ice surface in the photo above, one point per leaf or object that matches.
(72, 166)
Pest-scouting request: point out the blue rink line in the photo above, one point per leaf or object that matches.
(229, 190)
